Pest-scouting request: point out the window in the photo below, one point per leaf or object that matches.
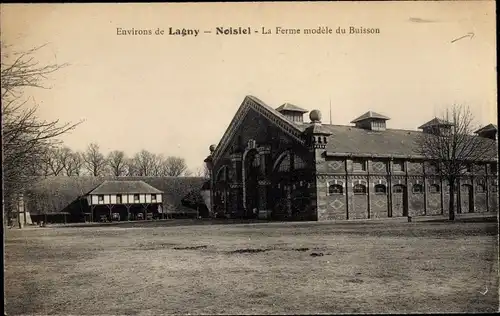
(359, 189)
(398, 188)
(118, 198)
(358, 165)
(284, 165)
(100, 198)
(480, 188)
(335, 189)
(380, 189)
(434, 188)
(398, 165)
(417, 188)
(493, 168)
(136, 197)
(153, 197)
(298, 163)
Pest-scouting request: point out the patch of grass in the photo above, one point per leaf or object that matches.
(366, 268)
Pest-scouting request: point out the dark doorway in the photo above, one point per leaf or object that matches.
(399, 201)
(466, 199)
(252, 172)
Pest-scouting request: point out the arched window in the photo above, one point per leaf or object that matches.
(359, 189)
(398, 188)
(335, 189)
(284, 163)
(380, 189)
(434, 188)
(480, 188)
(417, 188)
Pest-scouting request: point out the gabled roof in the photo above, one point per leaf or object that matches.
(370, 115)
(487, 128)
(252, 102)
(124, 187)
(435, 122)
(291, 107)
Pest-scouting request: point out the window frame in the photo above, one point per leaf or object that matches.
(335, 185)
(417, 185)
(359, 185)
(398, 186)
(434, 185)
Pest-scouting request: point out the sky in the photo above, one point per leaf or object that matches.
(176, 95)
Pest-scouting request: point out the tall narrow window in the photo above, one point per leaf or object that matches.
(136, 197)
(100, 198)
(118, 199)
(153, 197)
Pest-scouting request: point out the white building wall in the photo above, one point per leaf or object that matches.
(142, 198)
(107, 199)
(148, 198)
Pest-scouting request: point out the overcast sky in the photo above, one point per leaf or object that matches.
(176, 95)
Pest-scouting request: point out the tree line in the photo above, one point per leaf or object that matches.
(63, 161)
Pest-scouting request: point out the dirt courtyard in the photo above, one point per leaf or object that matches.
(264, 268)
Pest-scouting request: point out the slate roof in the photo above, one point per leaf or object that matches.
(354, 140)
(291, 107)
(487, 128)
(124, 187)
(350, 139)
(370, 115)
(434, 122)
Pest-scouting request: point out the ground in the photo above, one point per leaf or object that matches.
(260, 268)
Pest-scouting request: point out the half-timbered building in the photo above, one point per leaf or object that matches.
(272, 164)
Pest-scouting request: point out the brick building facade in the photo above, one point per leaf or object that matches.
(271, 164)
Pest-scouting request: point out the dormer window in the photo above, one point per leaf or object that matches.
(371, 121)
(292, 112)
(437, 127)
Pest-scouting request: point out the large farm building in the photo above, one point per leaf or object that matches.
(272, 163)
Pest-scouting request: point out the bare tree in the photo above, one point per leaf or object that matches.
(202, 172)
(94, 160)
(25, 136)
(74, 164)
(117, 162)
(144, 163)
(174, 166)
(451, 147)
